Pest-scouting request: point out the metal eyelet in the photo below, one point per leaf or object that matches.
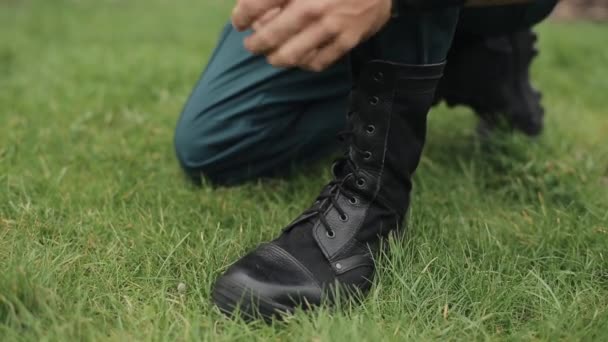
(330, 234)
(374, 100)
(353, 200)
(361, 183)
(370, 129)
(368, 155)
(344, 218)
(379, 76)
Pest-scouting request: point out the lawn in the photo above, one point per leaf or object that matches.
(507, 239)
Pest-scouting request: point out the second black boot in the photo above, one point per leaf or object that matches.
(491, 74)
(332, 244)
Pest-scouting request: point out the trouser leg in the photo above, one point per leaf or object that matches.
(426, 37)
(413, 38)
(246, 119)
(501, 20)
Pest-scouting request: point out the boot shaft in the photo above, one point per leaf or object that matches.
(370, 193)
(388, 116)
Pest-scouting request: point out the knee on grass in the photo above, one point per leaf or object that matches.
(198, 157)
(219, 151)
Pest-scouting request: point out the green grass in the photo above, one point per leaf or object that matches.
(98, 226)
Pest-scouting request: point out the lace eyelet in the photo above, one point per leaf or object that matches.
(370, 129)
(353, 200)
(361, 183)
(379, 76)
(374, 100)
(368, 155)
(330, 234)
(344, 218)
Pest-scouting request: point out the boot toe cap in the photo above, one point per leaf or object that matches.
(266, 282)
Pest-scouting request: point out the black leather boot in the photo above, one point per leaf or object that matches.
(491, 75)
(331, 245)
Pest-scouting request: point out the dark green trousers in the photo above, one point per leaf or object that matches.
(246, 119)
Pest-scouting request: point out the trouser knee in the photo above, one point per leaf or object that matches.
(196, 158)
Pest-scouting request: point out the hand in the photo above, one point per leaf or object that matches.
(311, 34)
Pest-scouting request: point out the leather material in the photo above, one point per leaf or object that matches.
(345, 230)
(273, 275)
(354, 261)
(331, 245)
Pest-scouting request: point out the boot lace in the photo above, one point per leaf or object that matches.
(344, 168)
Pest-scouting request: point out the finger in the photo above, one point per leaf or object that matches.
(292, 19)
(306, 61)
(308, 58)
(246, 12)
(267, 17)
(332, 52)
(292, 53)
